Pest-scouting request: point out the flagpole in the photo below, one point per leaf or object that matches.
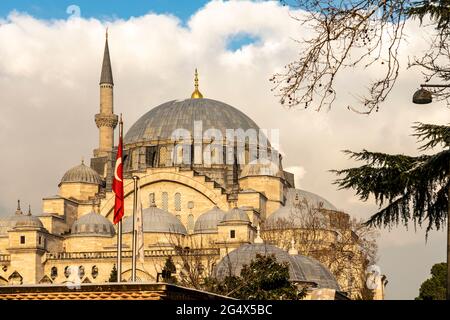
(119, 252)
(119, 225)
(134, 243)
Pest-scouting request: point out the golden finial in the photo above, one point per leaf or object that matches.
(196, 94)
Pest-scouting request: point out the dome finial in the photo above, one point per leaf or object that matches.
(29, 209)
(258, 238)
(292, 251)
(196, 94)
(18, 211)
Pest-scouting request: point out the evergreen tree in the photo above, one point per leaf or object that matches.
(113, 275)
(168, 270)
(263, 279)
(413, 188)
(435, 287)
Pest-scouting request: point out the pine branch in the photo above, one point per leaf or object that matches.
(433, 135)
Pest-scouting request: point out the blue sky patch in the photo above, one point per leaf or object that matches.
(101, 9)
(240, 40)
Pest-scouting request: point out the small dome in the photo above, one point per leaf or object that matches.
(28, 221)
(93, 224)
(156, 221)
(208, 221)
(316, 272)
(19, 220)
(236, 214)
(261, 168)
(301, 269)
(81, 174)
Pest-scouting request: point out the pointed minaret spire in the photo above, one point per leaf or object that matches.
(106, 120)
(196, 94)
(106, 76)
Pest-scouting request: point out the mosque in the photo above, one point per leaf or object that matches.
(210, 215)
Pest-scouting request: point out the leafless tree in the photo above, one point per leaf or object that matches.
(358, 33)
(345, 246)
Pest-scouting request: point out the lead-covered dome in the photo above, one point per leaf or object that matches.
(236, 215)
(81, 174)
(160, 122)
(293, 213)
(298, 196)
(92, 224)
(262, 167)
(316, 272)
(156, 220)
(28, 221)
(301, 269)
(208, 221)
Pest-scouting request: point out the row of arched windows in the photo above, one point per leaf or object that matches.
(165, 200)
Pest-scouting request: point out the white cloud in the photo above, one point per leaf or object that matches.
(49, 74)
(299, 172)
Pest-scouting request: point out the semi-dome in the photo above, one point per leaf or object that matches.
(92, 224)
(236, 215)
(301, 269)
(262, 167)
(298, 196)
(156, 220)
(81, 174)
(208, 221)
(160, 122)
(298, 202)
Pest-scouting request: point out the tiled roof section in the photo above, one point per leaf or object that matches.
(108, 291)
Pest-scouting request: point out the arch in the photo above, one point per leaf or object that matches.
(141, 275)
(214, 195)
(15, 278)
(86, 280)
(45, 280)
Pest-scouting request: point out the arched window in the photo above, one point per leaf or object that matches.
(151, 198)
(190, 222)
(177, 201)
(165, 201)
(163, 156)
(94, 272)
(54, 273)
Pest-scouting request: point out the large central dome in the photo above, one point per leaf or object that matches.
(160, 122)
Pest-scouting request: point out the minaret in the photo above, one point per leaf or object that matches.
(106, 120)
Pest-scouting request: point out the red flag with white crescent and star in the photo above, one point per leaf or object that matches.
(117, 185)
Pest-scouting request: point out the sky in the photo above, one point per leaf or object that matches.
(50, 63)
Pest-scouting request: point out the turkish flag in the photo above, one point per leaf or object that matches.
(117, 185)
